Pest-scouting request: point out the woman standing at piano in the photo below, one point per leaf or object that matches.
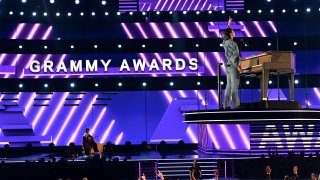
(233, 68)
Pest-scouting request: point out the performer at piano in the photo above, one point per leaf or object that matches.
(233, 68)
(88, 142)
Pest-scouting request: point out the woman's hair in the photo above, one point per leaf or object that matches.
(227, 33)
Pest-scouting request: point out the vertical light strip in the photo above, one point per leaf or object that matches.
(177, 5)
(84, 117)
(169, 8)
(256, 23)
(204, 5)
(66, 121)
(245, 139)
(39, 114)
(102, 113)
(164, 5)
(18, 31)
(156, 8)
(141, 30)
(227, 135)
(213, 138)
(33, 31)
(191, 135)
(119, 138)
(245, 29)
(54, 115)
(272, 26)
(127, 30)
(107, 132)
(190, 5)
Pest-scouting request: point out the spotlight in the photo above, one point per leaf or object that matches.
(271, 11)
(247, 82)
(106, 13)
(143, 45)
(57, 14)
(20, 85)
(223, 12)
(319, 9)
(72, 85)
(221, 45)
(235, 11)
(158, 12)
(118, 13)
(259, 11)
(103, 2)
(197, 45)
(45, 47)
(69, 13)
(96, 84)
(95, 46)
(119, 84)
(296, 81)
(93, 13)
(23, 1)
(10, 12)
(81, 14)
(296, 10)
(72, 46)
(20, 46)
(119, 46)
(144, 84)
(295, 43)
(170, 12)
(198, 83)
(21, 13)
(210, 12)
(268, 0)
(248, 11)
(170, 45)
(184, 12)
(131, 13)
(77, 1)
(197, 12)
(171, 83)
(221, 82)
(34, 14)
(283, 11)
(45, 14)
(269, 44)
(308, 9)
(51, 1)
(45, 85)
(270, 82)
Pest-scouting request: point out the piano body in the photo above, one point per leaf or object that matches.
(266, 63)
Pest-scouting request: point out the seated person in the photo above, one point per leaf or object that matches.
(88, 142)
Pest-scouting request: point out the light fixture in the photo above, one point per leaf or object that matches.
(249, 11)
(271, 11)
(184, 12)
(57, 14)
(96, 84)
(144, 84)
(296, 10)
(198, 83)
(72, 85)
(23, 1)
(51, 1)
(308, 9)
(170, 45)
(72, 46)
(21, 13)
(197, 12)
(45, 47)
(268, 0)
(93, 13)
(223, 12)
(81, 14)
(77, 1)
(69, 13)
(20, 46)
(119, 46)
(295, 43)
(221, 83)
(45, 14)
(118, 13)
(45, 85)
(283, 11)
(95, 46)
(197, 45)
(259, 11)
(143, 45)
(144, 13)
(170, 12)
(11, 13)
(20, 85)
(247, 82)
(103, 2)
(269, 44)
(158, 12)
(120, 84)
(235, 11)
(270, 82)
(34, 14)
(131, 13)
(106, 13)
(171, 83)
(296, 81)
(210, 12)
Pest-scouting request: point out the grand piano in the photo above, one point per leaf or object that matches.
(268, 63)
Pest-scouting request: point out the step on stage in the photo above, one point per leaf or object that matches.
(271, 112)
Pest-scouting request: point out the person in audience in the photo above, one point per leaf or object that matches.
(295, 175)
(160, 175)
(195, 171)
(314, 176)
(143, 177)
(216, 174)
(88, 142)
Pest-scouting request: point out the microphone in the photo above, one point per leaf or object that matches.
(244, 42)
